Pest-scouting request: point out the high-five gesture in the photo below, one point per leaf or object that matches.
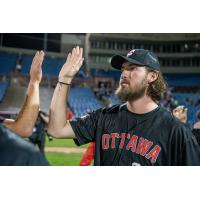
(180, 112)
(72, 65)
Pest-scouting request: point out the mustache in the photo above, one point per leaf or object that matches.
(124, 81)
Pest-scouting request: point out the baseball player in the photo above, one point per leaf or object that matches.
(13, 149)
(138, 132)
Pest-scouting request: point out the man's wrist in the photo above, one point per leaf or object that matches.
(65, 80)
(62, 83)
(34, 83)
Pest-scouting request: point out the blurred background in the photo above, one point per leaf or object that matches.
(95, 84)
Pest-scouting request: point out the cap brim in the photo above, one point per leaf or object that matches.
(117, 61)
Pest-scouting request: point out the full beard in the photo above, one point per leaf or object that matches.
(130, 94)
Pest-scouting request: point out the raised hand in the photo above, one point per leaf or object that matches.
(36, 67)
(180, 112)
(72, 65)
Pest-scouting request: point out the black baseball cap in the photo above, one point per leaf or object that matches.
(140, 57)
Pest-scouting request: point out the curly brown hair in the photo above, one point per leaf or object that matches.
(157, 88)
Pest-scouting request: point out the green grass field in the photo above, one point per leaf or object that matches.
(62, 143)
(63, 159)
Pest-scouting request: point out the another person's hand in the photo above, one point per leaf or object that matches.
(71, 66)
(36, 67)
(180, 112)
(196, 125)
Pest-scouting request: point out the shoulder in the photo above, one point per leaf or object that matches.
(11, 139)
(114, 109)
(169, 118)
(18, 150)
(173, 125)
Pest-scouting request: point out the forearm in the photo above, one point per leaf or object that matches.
(25, 121)
(45, 118)
(57, 115)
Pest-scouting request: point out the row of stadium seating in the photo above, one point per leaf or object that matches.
(3, 88)
(7, 62)
(172, 79)
(82, 101)
(51, 66)
(183, 79)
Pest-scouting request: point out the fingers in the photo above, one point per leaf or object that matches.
(81, 52)
(38, 58)
(68, 57)
(77, 50)
(41, 57)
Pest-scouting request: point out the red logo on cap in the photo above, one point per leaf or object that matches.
(130, 53)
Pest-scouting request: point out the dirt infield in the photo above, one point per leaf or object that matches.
(65, 149)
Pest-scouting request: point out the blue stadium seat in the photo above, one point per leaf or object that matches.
(3, 88)
(7, 62)
(107, 74)
(183, 79)
(82, 101)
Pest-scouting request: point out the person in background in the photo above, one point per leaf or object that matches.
(180, 113)
(197, 124)
(38, 136)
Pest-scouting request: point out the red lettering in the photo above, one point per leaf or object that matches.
(123, 136)
(132, 143)
(105, 141)
(113, 136)
(154, 154)
(143, 146)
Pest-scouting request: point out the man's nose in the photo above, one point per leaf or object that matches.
(124, 74)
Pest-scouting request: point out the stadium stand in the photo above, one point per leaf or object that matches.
(51, 66)
(3, 88)
(82, 101)
(183, 79)
(106, 74)
(7, 62)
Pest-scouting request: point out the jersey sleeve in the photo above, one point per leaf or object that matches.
(196, 133)
(186, 151)
(85, 127)
(191, 152)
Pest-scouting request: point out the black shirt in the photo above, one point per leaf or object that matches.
(38, 134)
(196, 133)
(17, 152)
(126, 138)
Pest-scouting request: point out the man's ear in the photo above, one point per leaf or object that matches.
(152, 76)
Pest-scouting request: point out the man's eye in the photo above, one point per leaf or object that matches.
(133, 68)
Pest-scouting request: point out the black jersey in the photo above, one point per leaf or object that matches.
(16, 151)
(196, 133)
(126, 138)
